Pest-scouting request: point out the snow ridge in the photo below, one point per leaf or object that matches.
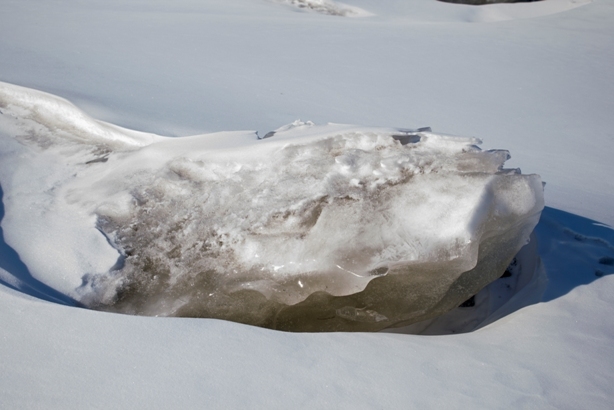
(329, 7)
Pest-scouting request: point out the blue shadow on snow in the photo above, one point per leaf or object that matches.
(575, 251)
(23, 281)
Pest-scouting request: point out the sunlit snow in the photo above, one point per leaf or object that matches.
(533, 78)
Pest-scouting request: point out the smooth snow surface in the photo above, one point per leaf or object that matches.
(534, 78)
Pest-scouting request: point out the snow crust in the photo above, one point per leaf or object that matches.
(310, 215)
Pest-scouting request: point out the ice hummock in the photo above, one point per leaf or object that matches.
(316, 228)
(329, 7)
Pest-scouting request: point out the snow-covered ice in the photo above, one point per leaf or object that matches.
(314, 228)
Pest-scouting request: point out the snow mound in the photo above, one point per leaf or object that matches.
(61, 122)
(329, 7)
(504, 11)
(434, 11)
(316, 228)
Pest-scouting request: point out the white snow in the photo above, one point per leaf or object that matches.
(533, 78)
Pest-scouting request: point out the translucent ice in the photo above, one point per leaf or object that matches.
(317, 228)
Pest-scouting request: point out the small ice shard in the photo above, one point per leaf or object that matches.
(321, 228)
(297, 124)
(267, 135)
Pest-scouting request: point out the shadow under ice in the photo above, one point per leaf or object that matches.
(569, 251)
(575, 251)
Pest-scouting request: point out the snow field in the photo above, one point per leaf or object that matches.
(533, 78)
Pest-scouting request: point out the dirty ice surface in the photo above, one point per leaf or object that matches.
(305, 229)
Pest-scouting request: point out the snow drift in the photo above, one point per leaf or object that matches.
(318, 228)
(328, 7)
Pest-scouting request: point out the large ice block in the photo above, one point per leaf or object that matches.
(317, 228)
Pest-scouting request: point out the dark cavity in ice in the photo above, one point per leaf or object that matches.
(607, 260)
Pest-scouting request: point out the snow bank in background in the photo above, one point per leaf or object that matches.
(329, 7)
(427, 11)
(508, 11)
(318, 228)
